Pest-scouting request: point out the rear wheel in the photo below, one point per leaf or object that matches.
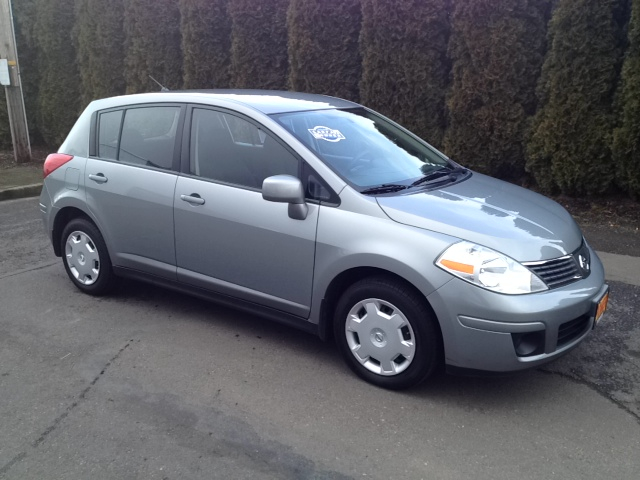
(386, 333)
(86, 258)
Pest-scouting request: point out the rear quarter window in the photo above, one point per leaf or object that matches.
(108, 133)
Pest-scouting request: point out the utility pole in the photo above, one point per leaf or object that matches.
(10, 78)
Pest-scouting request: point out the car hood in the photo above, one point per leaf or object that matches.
(510, 219)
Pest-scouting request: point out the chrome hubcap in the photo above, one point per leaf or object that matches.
(380, 337)
(82, 258)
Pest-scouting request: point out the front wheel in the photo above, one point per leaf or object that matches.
(86, 258)
(386, 333)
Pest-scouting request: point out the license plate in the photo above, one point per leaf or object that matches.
(601, 308)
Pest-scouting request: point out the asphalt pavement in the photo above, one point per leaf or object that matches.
(147, 384)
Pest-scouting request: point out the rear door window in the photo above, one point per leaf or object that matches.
(148, 136)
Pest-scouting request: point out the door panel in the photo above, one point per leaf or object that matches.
(134, 209)
(244, 246)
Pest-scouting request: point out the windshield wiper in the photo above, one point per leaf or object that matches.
(385, 188)
(443, 172)
(394, 187)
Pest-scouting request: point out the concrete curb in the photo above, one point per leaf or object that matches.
(23, 191)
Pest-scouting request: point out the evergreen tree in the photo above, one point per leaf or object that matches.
(570, 144)
(58, 93)
(323, 47)
(152, 45)
(626, 144)
(5, 132)
(259, 56)
(497, 48)
(206, 43)
(404, 62)
(99, 39)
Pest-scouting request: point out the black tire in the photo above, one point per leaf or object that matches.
(391, 298)
(88, 265)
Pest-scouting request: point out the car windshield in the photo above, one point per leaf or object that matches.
(363, 148)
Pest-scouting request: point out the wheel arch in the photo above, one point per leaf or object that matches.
(62, 218)
(348, 277)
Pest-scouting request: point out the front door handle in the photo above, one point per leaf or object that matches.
(193, 199)
(99, 177)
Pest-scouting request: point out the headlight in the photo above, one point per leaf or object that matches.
(489, 269)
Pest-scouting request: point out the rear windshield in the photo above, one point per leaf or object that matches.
(363, 148)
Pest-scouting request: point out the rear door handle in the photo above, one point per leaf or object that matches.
(193, 199)
(99, 177)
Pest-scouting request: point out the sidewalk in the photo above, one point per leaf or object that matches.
(19, 181)
(621, 268)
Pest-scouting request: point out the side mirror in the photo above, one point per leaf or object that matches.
(286, 189)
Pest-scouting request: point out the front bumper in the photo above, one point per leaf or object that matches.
(487, 331)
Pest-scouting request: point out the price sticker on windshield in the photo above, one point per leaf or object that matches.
(326, 133)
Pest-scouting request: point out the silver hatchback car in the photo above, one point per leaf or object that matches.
(322, 214)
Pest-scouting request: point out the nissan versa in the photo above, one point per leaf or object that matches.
(322, 214)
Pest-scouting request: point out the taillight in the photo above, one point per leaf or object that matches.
(54, 161)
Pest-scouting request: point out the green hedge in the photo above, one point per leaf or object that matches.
(571, 138)
(259, 57)
(100, 55)
(460, 73)
(497, 48)
(626, 145)
(404, 62)
(206, 43)
(323, 47)
(58, 93)
(152, 45)
(5, 132)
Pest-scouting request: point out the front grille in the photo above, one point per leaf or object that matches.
(564, 270)
(572, 329)
(557, 272)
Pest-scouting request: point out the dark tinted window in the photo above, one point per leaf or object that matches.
(233, 150)
(148, 136)
(108, 134)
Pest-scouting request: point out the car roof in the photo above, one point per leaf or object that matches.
(265, 101)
